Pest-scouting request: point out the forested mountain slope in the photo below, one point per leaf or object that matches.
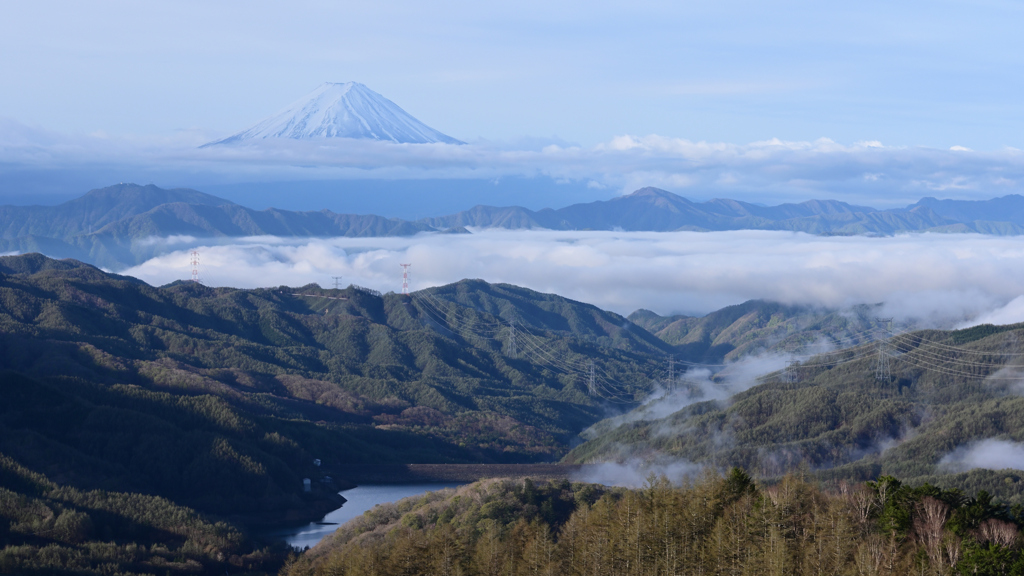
(123, 404)
(834, 414)
(49, 528)
(757, 327)
(129, 411)
(120, 385)
(535, 311)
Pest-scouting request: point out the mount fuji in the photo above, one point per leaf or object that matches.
(342, 110)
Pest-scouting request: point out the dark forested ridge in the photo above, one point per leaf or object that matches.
(717, 525)
(114, 384)
(405, 376)
(48, 528)
(190, 401)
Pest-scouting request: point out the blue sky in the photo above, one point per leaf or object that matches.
(870, 102)
(874, 103)
(935, 74)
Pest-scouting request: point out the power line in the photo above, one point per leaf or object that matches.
(528, 344)
(879, 341)
(962, 350)
(920, 356)
(460, 314)
(318, 296)
(532, 345)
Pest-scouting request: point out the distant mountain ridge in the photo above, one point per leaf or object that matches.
(656, 210)
(113, 226)
(95, 209)
(1009, 208)
(110, 226)
(342, 110)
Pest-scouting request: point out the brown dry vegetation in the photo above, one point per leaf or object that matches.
(716, 525)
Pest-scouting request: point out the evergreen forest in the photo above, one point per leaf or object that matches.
(158, 430)
(186, 417)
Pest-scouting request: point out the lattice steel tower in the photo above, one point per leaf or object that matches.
(883, 365)
(513, 351)
(405, 278)
(195, 266)
(790, 375)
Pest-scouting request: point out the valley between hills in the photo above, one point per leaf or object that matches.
(687, 289)
(155, 428)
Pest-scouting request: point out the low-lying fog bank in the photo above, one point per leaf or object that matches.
(940, 280)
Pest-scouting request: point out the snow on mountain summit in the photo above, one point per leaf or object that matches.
(342, 110)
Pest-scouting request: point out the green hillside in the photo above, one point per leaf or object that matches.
(149, 429)
(119, 385)
(832, 415)
(758, 326)
(490, 303)
(131, 413)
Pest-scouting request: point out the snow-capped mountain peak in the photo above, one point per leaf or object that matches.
(342, 110)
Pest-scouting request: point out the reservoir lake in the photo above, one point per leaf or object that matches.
(359, 500)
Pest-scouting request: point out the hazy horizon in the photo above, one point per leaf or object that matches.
(759, 102)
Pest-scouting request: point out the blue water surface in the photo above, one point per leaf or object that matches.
(359, 500)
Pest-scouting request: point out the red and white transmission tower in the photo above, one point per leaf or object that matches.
(195, 266)
(405, 278)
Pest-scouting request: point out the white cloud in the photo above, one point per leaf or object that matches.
(702, 385)
(1012, 313)
(634, 473)
(990, 454)
(770, 171)
(942, 279)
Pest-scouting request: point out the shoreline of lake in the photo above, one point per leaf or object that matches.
(463, 473)
(384, 483)
(357, 501)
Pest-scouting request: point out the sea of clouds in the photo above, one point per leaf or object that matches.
(926, 279)
(942, 280)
